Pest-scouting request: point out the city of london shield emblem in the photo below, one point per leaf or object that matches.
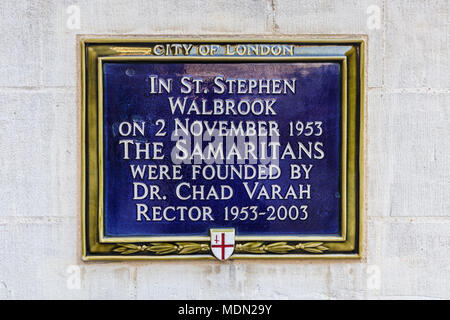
(222, 243)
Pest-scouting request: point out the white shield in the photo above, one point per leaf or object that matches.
(222, 243)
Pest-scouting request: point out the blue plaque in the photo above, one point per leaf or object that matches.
(226, 149)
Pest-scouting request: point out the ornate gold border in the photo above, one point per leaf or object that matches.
(96, 247)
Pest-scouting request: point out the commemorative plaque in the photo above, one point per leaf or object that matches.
(221, 148)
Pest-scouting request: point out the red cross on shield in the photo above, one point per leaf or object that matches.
(222, 243)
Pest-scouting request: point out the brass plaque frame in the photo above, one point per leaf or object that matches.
(95, 246)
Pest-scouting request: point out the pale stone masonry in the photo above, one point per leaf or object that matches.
(407, 151)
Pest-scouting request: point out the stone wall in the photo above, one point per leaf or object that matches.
(407, 151)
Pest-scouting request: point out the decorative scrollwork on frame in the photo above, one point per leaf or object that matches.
(280, 247)
(165, 248)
